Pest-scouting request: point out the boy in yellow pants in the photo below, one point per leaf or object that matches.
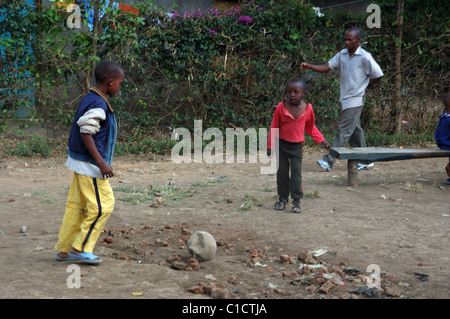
(91, 147)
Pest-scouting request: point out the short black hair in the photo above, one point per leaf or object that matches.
(300, 81)
(107, 69)
(357, 31)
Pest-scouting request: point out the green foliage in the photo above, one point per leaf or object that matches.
(34, 146)
(380, 138)
(227, 68)
(139, 146)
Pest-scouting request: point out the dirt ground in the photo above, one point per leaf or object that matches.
(397, 219)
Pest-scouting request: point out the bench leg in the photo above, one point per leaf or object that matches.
(352, 171)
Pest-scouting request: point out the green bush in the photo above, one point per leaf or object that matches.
(34, 146)
(227, 68)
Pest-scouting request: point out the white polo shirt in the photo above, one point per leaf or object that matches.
(356, 72)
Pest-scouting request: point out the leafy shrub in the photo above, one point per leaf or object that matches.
(34, 146)
(227, 68)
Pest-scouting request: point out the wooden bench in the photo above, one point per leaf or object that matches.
(379, 154)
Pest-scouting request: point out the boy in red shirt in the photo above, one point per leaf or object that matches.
(293, 117)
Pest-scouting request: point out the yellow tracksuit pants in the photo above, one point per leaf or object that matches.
(89, 205)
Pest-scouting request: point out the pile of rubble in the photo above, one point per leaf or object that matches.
(313, 276)
(305, 275)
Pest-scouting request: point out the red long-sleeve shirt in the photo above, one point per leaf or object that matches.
(293, 130)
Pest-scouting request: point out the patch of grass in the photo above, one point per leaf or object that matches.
(312, 195)
(34, 146)
(154, 193)
(210, 182)
(249, 202)
(417, 187)
(43, 192)
(264, 189)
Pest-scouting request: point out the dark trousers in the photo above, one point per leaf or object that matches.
(290, 158)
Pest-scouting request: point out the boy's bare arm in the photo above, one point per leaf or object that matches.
(318, 68)
(105, 168)
(373, 81)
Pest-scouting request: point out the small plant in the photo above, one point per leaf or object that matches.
(210, 182)
(312, 195)
(249, 202)
(35, 146)
(413, 187)
(154, 193)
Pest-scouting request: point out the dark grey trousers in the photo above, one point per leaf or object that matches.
(349, 131)
(290, 158)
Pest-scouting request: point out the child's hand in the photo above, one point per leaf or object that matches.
(106, 170)
(304, 66)
(327, 145)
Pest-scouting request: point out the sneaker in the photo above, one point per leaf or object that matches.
(364, 166)
(280, 205)
(447, 181)
(324, 164)
(296, 207)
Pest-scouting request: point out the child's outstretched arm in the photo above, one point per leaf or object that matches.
(105, 168)
(317, 68)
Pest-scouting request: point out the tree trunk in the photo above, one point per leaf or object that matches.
(96, 32)
(397, 68)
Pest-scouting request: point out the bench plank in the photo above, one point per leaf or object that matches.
(378, 154)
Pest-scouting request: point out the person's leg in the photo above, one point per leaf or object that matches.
(296, 157)
(100, 204)
(447, 169)
(345, 130)
(73, 218)
(296, 177)
(357, 139)
(283, 173)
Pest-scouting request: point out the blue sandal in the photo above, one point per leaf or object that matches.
(89, 258)
(68, 258)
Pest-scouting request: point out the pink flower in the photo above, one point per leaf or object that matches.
(244, 20)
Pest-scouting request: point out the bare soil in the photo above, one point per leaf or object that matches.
(397, 218)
